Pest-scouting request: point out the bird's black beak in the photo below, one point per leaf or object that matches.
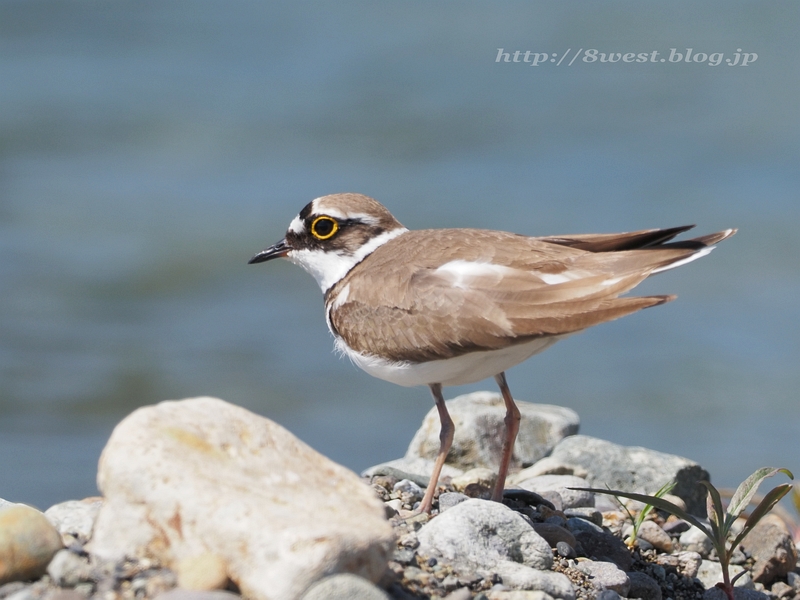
(278, 250)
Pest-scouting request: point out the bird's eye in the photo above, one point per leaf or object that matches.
(324, 227)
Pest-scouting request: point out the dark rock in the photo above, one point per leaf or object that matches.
(643, 586)
(605, 547)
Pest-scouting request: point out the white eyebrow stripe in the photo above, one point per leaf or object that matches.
(297, 225)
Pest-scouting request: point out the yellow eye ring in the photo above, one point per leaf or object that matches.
(324, 227)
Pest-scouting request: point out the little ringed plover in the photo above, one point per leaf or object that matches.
(441, 307)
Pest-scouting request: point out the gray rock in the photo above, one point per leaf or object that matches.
(643, 586)
(450, 499)
(28, 541)
(553, 534)
(515, 595)
(770, 544)
(604, 547)
(606, 576)
(416, 469)
(739, 593)
(689, 563)
(459, 594)
(179, 594)
(344, 586)
(793, 579)
(479, 534)
(607, 595)
(574, 524)
(585, 512)
(408, 487)
(182, 477)
(710, 574)
(561, 484)
(520, 577)
(479, 429)
(633, 469)
(67, 569)
(75, 518)
(565, 550)
(694, 540)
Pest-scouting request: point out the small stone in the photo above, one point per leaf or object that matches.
(674, 525)
(605, 547)
(68, 569)
(781, 589)
(770, 544)
(643, 586)
(793, 579)
(459, 594)
(75, 518)
(204, 572)
(608, 595)
(689, 563)
(393, 507)
(344, 586)
(565, 550)
(553, 534)
(584, 512)
(518, 595)
(694, 540)
(450, 499)
(652, 533)
(480, 476)
(179, 594)
(28, 541)
(606, 576)
(408, 488)
(710, 574)
(739, 593)
(575, 525)
(561, 483)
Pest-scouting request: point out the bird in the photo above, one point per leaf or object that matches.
(445, 307)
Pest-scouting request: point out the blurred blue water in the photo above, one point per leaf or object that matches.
(148, 149)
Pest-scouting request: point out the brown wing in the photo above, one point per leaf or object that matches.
(459, 290)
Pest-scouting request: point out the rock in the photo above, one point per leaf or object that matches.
(793, 579)
(515, 575)
(459, 594)
(770, 544)
(479, 431)
(689, 563)
(68, 569)
(633, 469)
(409, 489)
(75, 518)
(694, 540)
(606, 576)
(479, 476)
(710, 574)
(547, 466)
(643, 586)
(344, 586)
(716, 593)
(28, 541)
(649, 531)
(585, 512)
(479, 534)
(204, 572)
(517, 595)
(416, 469)
(602, 546)
(560, 484)
(179, 594)
(781, 590)
(574, 524)
(608, 595)
(182, 478)
(565, 550)
(450, 499)
(553, 534)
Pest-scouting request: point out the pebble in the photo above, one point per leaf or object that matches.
(75, 519)
(694, 540)
(68, 569)
(344, 586)
(576, 524)
(179, 594)
(560, 484)
(606, 576)
(605, 547)
(406, 487)
(584, 512)
(204, 572)
(450, 499)
(649, 531)
(553, 534)
(518, 595)
(710, 573)
(479, 476)
(643, 586)
(565, 550)
(28, 541)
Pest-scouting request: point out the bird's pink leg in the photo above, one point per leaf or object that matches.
(512, 427)
(445, 441)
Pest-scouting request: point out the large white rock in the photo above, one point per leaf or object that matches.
(186, 478)
(478, 440)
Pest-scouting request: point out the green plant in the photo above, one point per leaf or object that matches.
(640, 518)
(721, 520)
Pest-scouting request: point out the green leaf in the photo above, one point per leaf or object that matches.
(745, 492)
(659, 503)
(715, 513)
(770, 500)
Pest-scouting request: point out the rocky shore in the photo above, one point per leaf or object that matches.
(203, 500)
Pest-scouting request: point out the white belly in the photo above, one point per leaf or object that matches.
(461, 370)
